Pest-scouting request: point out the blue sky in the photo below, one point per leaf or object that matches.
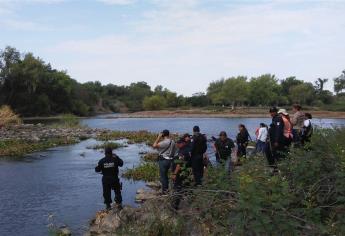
(180, 44)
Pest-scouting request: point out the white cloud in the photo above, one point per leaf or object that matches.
(184, 48)
(117, 2)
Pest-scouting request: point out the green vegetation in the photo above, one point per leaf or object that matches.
(151, 156)
(306, 197)
(21, 147)
(33, 88)
(146, 171)
(112, 145)
(132, 136)
(69, 120)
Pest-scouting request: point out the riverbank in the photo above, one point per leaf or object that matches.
(226, 113)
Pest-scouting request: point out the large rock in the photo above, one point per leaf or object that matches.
(144, 195)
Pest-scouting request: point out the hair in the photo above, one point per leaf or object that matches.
(165, 133)
(108, 152)
(297, 107)
(273, 109)
(223, 133)
(196, 129)
(262, 125)
(243, 126)
(308, 115)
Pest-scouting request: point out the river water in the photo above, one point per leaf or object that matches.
(59, 186)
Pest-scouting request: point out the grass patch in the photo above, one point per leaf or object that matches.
(104, 145)
(17, 147)
(146, 171)
(150, 157)
(132, 136)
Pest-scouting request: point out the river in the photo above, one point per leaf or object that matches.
(59, 186)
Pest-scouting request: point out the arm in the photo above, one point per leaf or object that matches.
(99, 167)
(156, 143)
(119, 161)
(260, 134)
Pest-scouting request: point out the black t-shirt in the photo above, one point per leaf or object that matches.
(109, 166)
(199, 144)
(224, 147)
(276, 130)
(242, 137)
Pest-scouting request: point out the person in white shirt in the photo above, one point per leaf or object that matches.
(261, 138)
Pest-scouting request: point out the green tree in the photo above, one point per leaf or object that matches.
(214, 92)
(339, 83)
(264, 90)
(235, 90)
(302, 93)
(154, 102)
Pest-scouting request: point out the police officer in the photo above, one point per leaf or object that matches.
(223, 147)
(198, 149)
(109, 167)
(276, 138)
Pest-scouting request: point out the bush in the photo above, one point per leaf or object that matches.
(155, 102)
(69, 120)
(7, 116)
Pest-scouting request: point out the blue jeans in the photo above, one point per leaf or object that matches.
(260, 146)
(164, 166)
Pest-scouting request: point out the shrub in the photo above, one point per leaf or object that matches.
(69, 120)
(155, 102)
(7, 116)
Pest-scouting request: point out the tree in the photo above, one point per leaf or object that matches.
(302, 93)
(339, 83)
(319, 84)
(214, 92)
(154, 102)
(289, 82)
(264, 90)
(235, 90)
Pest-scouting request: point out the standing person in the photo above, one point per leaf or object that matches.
(223, 147)
(288, 136)
(198, 149)
(166, 151)
(181, 167)
(276, 138)
(307, 130)
(297, 122)
(261, 138)
(109, 167)
(242, 141)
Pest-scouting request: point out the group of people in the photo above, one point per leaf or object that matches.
(188, 153)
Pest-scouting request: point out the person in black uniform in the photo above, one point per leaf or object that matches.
(198, 149)
(275, 150)
(109, 167)
(242, 141)
(223, 147)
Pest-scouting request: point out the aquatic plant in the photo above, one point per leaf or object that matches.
(142, 136)
(150, 156)
(18, 147)
(146, 171)
(69, 120)
(8, 116)
(112, 145)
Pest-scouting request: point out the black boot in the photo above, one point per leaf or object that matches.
(108, 206)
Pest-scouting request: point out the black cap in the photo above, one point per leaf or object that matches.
(196, 129)
(165, 133)
(273, 109)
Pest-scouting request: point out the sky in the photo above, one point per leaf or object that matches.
(180, 44)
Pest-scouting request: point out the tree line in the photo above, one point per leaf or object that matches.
(33, 88)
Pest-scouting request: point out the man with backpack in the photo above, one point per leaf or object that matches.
(198, 149)
(166, 150)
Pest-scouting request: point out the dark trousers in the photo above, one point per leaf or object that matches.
(273, 154)
(260, 147)
(242, 150)
(198, 168)
(109, 184)
(164, 166)
(177, 196)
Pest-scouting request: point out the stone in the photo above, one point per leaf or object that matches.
(154, 185)
(64, 231)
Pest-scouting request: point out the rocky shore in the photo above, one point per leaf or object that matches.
(38, 132)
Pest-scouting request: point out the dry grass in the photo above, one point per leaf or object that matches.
(7, 116)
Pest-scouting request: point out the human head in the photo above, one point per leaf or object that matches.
(296, 107)
(262, 125)
(273, 111)
(186, 137)
(196, 129)
(181, 142)
(108, 152)
(241, 127)
(308, 116)
(283, 112)
(165, 133)
(223, 135)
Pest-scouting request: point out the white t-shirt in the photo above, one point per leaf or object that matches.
(306, 123)
(262, 136)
